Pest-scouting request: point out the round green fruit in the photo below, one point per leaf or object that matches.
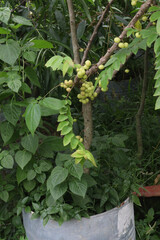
(101, 67)
(117, 40)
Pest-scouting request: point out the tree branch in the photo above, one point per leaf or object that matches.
(95, 32)
(110, 51)
(73, 32)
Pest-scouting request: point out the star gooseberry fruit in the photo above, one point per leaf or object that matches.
(86, 92)
(101, 67)
(138, 35)
(121, 45)
(117, 40)
(68, 84)
(127, 70)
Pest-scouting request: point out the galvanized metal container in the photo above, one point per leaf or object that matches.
(115, 224)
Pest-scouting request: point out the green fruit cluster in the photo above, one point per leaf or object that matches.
(81, 70)
(68, 84)
(86, 92)
(79, 138)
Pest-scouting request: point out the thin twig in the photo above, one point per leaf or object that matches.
(95, 32)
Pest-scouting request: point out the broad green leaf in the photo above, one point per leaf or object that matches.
(52, 143)
(22, 158)
(26, 88)
(136, 200)
(54, 62)
(4, 195)
(7, 131)
(62, 125)
(12, 113)
(157, 83)
(31, 174)
(47, 111)
(10, 51)
(30, 143)
(52, 103)
(67, 138)
(41, 178)
(14, 85)
(29, 185)
(4, 30)
(110, 61)
(58, 191)
(30, 56)
(42, 44)
(158, 26)
(32, 116)
(58, 175)
(31, 74)
(90, 157)
(45, 166)
(5, 13)
(78, 187)
(81, 29)
(22, 20)
(62, 117)
(74, 142)
(85, 7)
(20, 175)
(157, 75)
(157, 46)
(66, 130)
(7, 162)
(75, 170)
(151, 39)
(157, 104)
(155, 16)
(78, 154)
(157, 92)
(153, 8)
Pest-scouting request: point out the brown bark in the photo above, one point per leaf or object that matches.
(141, 108)
(73, 32)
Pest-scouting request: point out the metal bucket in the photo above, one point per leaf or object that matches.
(115, 224)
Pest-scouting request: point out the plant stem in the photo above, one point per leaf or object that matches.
(141, 108)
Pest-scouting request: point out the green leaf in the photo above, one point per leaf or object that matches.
(157, 92)
(29, 185)
(25, 88)
(41, 178)
(4, 30)
(155, 16)
(74, 142)
(157, 83)
(11, 113)
(31, 174)
(157, 46)
(151, 39)
(32, 116)
(153, 8)
(157, 75)
(52, 143)
(7, 162)
(78, 187)
(31, 74)
(7, 131)
(58, 175)
(42, 44)
(62, 125)
(157, 105)
(22, 158)
(10, 52)
(52, 103)
(81, 29)
(62, 117)
(158, 26)
(136, 200)
(78, 153)
(85, 7)
(30, 143)
(89, 156)
(22, 20)
(75, 170)
(58, 191)
(67, 138)
(66, 130)
(4, 195)
(30, 56)
(20, 175)
(67, 65)
(54, 62)
(5, 14)
(14, 85)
